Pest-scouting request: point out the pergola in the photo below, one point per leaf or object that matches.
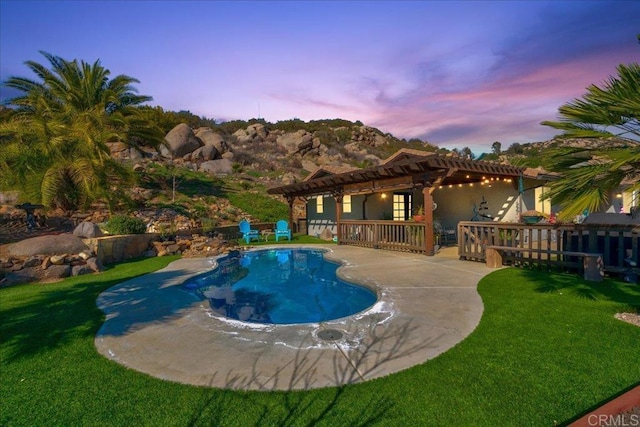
(406, 169)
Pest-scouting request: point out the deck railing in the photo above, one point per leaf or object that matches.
(618, 244)
(403, 236)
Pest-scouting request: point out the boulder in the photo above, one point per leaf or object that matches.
(57, 259)
(204, 153)
(37, 274)
(209, 137)
(326, 234)
(46, 263)
(25, 275)
(150, 253)
(217, 167)
(242, 136)
(80, 270)
(55, 272)
(292, 140)
(180, 140)
(257, 129)
(53, 244)
(95, 264)
(87, 230)
(32, 261)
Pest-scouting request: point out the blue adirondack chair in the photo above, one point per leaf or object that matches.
(247, 233)
(282, 230)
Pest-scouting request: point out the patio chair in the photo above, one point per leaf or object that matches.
(282, 230)
(247, 233)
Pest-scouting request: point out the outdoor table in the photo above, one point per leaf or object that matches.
(266, 234)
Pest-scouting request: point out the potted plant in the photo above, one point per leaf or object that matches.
(531, 217)
(419, 215)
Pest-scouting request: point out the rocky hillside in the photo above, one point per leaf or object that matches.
(215, 175)
(288, 155)
(535, 154)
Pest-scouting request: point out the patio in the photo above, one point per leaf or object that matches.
(425, 307)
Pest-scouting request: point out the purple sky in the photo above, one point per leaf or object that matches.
(453, 73)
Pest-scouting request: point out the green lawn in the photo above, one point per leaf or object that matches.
(547, 349)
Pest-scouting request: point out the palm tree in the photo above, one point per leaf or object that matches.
(590, 174)
(55, 147)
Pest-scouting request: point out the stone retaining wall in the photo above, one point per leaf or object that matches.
(112, 249)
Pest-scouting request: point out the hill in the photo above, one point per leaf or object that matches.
(211, 174)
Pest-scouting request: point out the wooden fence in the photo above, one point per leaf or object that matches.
(618, 244)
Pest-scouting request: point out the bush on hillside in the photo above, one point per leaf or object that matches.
(123, 224)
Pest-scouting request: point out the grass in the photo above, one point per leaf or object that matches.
(546, 350)
(258, 203)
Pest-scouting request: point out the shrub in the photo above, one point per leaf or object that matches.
(123, 224)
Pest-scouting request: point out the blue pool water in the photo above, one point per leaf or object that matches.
(281, 286)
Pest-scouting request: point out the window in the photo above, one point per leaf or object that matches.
(346, 204)
(401, 206)
(543, 206)
(320, 204)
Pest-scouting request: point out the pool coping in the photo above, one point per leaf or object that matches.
(426, 306)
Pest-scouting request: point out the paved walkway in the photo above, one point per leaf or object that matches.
(426, 305)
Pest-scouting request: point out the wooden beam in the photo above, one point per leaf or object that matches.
(429, 246)
(290, 201)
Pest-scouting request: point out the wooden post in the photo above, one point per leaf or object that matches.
(338, 198)
(428, 221)
(493, 258)
(290, 201)
(593, 267)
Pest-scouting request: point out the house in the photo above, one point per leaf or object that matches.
(375, 206)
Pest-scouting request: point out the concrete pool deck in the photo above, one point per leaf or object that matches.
(425, 306)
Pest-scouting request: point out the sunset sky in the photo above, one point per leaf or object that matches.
(452, 73)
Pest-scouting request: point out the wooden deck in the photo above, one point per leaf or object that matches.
(546, 245)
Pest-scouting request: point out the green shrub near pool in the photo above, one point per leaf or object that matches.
(123, 224)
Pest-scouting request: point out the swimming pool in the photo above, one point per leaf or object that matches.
(282, 286)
